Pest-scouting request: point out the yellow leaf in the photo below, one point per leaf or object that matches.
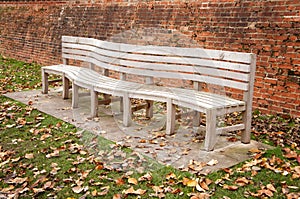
(171, 176)
(132, 181)
(189, 182)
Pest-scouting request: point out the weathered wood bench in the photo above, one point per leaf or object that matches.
(233, 70)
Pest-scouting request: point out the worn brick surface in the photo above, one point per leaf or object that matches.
(31, 31)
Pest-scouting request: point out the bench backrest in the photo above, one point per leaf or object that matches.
(224, 68)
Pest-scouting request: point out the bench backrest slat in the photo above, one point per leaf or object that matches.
(230, 69)
(159, 66)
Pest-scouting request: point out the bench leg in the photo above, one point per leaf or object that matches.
(94, 103)
(149, 109)
(197, 118)
(171, 117)
(75, 95)
(246, 133)
(126, 110)
(66, 86)
(211, 134)
(121, 105)
(45, 83)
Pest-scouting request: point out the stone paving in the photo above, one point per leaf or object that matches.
(144, 136)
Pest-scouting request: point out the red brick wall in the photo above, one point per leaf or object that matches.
(31, 31)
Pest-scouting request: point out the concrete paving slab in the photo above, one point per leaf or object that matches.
(144, 136)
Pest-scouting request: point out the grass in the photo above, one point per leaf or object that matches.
(44, 157)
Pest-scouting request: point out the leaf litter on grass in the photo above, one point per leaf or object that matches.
(46, 159)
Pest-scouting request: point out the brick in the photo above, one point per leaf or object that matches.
(31, 31)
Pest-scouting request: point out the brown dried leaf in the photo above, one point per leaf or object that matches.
(146, 177)
(230, 187)
(38, 190)
(200, 196)
(45, 136)
(120, 181)
(171, 176)
(7, 189)
(117, 196)
(77, 189)
(242, 181)
(104, 191)
(267, 192)
(48, 185)
(136, 192)
(29, 156)
(132, 181)
(271, 187)
(17, 180)
(290, 154)
(204, 185)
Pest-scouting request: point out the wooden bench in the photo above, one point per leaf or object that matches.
(225, 69)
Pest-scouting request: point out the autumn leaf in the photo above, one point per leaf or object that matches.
(230, 187)
(117, 196)
(189, 182)
(17, 180)
(77, 189)
(132, 181)
(38, 190)
(204, 185)
(290, 154)
(120, 181)
(200, 196)
(104, 191)
(146, 177)
(242, 181)
(135, 192)
(171, 176)
(29, 156)
(212, 162)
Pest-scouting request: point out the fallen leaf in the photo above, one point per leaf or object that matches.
(136, 192)
(242, 181)
(38, 190)
(212, 162)
(200, 196)
(17, 180)
(230, 187)
(117, 196)
(45, 136)
(189, 182)
(146, 177)
(77, 189)
(204, 185)
(171, 176)
(132, 181)
(29, 156)
(267, 192)
(7, 189)
(271, 187)
(104, 191)
(120, 181)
